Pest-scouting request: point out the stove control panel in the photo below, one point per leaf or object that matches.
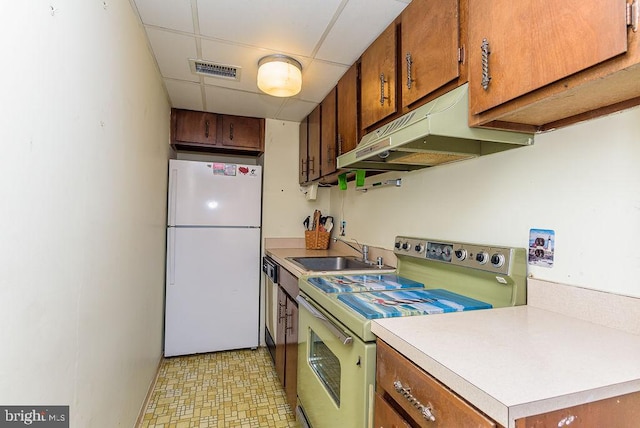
(484, 257)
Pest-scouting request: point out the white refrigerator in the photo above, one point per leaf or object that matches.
(213, 257)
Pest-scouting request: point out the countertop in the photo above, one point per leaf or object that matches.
(279, 255)
(518, 361)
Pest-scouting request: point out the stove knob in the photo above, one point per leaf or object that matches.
(398, 245)
(461, 254)
(419, 248)
(482, 257)
(406, 246)
(497, 260)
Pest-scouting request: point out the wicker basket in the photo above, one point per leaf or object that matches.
(316, 239)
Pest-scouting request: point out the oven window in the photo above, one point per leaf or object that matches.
(326, 365)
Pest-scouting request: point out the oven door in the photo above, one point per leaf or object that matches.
(336, 371)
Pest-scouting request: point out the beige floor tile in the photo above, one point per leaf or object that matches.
(221, 389)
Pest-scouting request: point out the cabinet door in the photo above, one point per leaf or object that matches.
(430, 42)
(314, 144)
(303, 175)
(291, 364)
(348, 110)
(281, 331)
(328, 134)
(242, 133)
(378, 81)
(531, 43)
(621, 411)
(194, 127)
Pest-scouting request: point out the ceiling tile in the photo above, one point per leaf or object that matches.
(355, 24)
(240, 56)
(165, 45)
(295, 110)
(325, 36)
(223, 100)
(280, 25)
(175, 14)
(321, 77)
(184, 95)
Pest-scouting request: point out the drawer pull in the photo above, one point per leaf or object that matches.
(406, 393)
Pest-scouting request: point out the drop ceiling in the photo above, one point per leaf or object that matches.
(325, 36)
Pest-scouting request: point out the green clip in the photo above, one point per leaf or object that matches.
(342, 181)
(360, 174)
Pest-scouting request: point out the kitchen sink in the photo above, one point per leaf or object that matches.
(334, 263)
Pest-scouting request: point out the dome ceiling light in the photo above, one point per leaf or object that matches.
(279, 75)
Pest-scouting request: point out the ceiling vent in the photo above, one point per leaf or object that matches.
(212, 69)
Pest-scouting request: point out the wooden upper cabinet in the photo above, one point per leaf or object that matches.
(531, 43)
(378, 78)
(303, 174)
(313, 144)
(211, 132)
(429, 36)
(348, 110)
(328, 134)
(193, 127)
(242, 132)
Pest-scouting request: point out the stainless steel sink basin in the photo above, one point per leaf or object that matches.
(334, 263)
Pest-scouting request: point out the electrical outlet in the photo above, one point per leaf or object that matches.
(343, 228)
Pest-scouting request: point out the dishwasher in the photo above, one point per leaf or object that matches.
(271, 270)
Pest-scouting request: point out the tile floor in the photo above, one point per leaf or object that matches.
(221, 389)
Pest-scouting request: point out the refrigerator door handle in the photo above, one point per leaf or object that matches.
(171, 255)
(173, 196)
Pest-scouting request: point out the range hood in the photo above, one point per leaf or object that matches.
(433, 134)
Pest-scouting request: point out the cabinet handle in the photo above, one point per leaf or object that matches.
(231, 131)
(280, 316)
(406, 393)
(339, 143)
(567, 421)
(330, 150)
(382, 82)
(409, 62)
(288, 324)
(485, 64)
(312, 168)
(302, 170)
(206, 129)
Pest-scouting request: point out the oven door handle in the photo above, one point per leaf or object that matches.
(337, 332)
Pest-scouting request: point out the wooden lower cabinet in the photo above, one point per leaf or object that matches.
(620, 412)
(404, 391)
(423, 400)
(287, 336)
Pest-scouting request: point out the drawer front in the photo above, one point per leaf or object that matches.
(386, 417)
(289, 282)
(425, 399)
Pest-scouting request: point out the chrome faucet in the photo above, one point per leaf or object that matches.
(364, 249)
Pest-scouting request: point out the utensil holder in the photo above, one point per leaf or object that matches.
(316, 240)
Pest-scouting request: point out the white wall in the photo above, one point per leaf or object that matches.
(85, 126)
(284, 205)
(581, 181)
